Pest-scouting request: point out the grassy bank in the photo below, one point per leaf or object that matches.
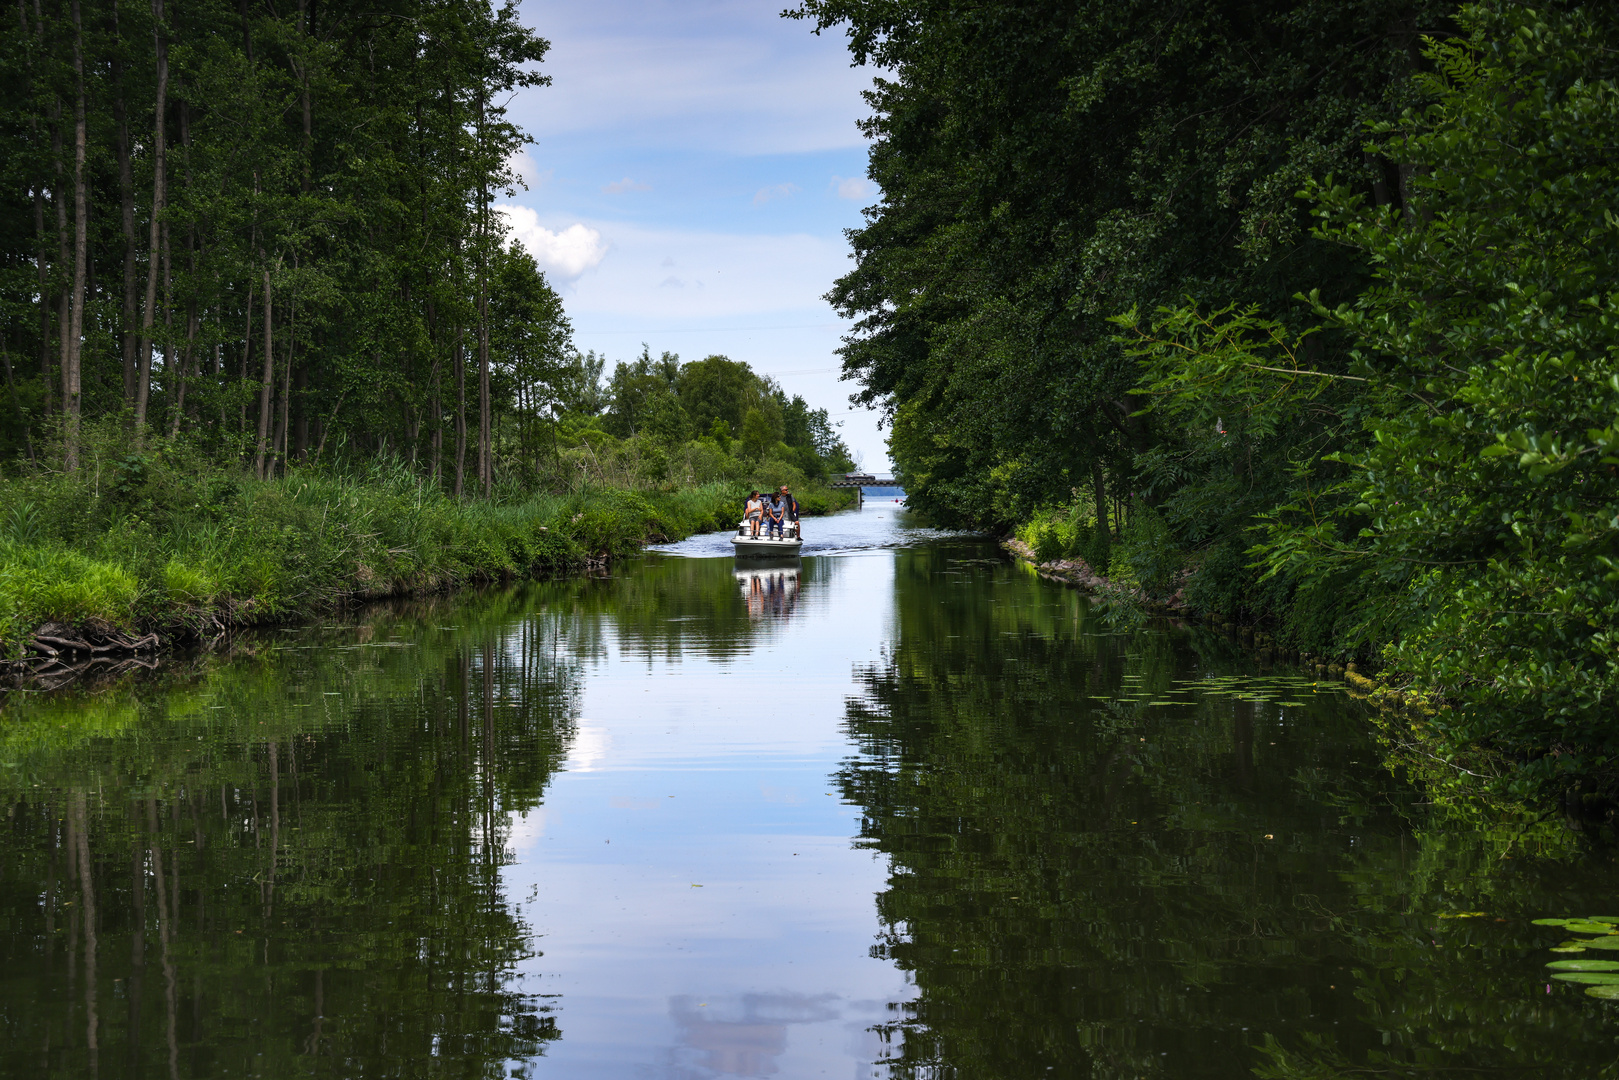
(162, 540)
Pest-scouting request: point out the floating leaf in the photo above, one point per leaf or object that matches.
(1607, 993)
(1609, 942)
(1569, 948)
(1586, 926)
(1611, 920)
(1552, 922)
(1584, 965)
(1591, 978)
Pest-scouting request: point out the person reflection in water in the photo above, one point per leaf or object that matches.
(769, 593)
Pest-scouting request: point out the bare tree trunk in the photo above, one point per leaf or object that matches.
(485, 434)
(437, 405)
(143, 375)
(41, 265)
(265, 383)
(247, 354)
(286, 386)
(186, 362)
(170, 369)
(126, 197)
(73, 346)
(486, 448)
(460, 414)
(64, 253)
(301, 432)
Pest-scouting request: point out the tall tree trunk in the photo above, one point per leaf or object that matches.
(486, 449)
(247, 354)
(73, 351)
(41, 244)
(126, 197)
(300, 449)
(143, 374)
(286, 387)
(186, 369)
(460, 415)
(64, 253)
(1099, 495)
(438, 399)
(42, 270)
(170, 369)
(266, 382)
(485, 434)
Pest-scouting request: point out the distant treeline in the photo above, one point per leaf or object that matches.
(658, 421)
(1306, 310)
(269, 227)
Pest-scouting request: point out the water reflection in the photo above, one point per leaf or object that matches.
(1106, 860)
(771, 591)
(288, 863)
(742, 1035)
(1076, 853)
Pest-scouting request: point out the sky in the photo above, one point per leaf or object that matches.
(694, 166)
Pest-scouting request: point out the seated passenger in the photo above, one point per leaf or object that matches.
(774, 512)
(790, 512)
(752, 512)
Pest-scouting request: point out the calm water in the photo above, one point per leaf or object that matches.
(901, 810)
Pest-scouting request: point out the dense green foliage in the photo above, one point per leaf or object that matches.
(1093, 300)
(269, 227)
(713, 417)
(163, 539)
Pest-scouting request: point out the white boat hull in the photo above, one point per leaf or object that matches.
(749, 546)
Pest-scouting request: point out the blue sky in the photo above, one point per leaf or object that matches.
(694, 167)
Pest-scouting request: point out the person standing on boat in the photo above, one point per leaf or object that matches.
(752, 511)
(775, 510)
(790, 511)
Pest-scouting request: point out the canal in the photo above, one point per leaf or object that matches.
(900, 809)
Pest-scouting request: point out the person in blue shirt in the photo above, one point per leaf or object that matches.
(790, 511)
(775, 511)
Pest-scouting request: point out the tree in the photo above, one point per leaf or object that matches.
(1044, 166)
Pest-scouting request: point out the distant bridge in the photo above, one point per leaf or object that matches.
(859, 482)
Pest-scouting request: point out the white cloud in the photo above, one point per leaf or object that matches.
(720, 275)
(566, 253)
(524, 167)
(855, 188)
(774, 191)
(625, 184)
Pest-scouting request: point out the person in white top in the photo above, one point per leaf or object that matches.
(753, 512)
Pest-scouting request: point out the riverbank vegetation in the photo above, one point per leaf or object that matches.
(164, 539)
(1307, 312)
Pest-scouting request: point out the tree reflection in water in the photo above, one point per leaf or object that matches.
(1200, 888)
(284, 865)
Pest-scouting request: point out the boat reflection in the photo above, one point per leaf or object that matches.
(770, 589)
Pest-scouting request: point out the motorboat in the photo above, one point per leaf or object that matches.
(749, 546)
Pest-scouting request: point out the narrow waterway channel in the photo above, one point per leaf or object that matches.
(900, 809)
